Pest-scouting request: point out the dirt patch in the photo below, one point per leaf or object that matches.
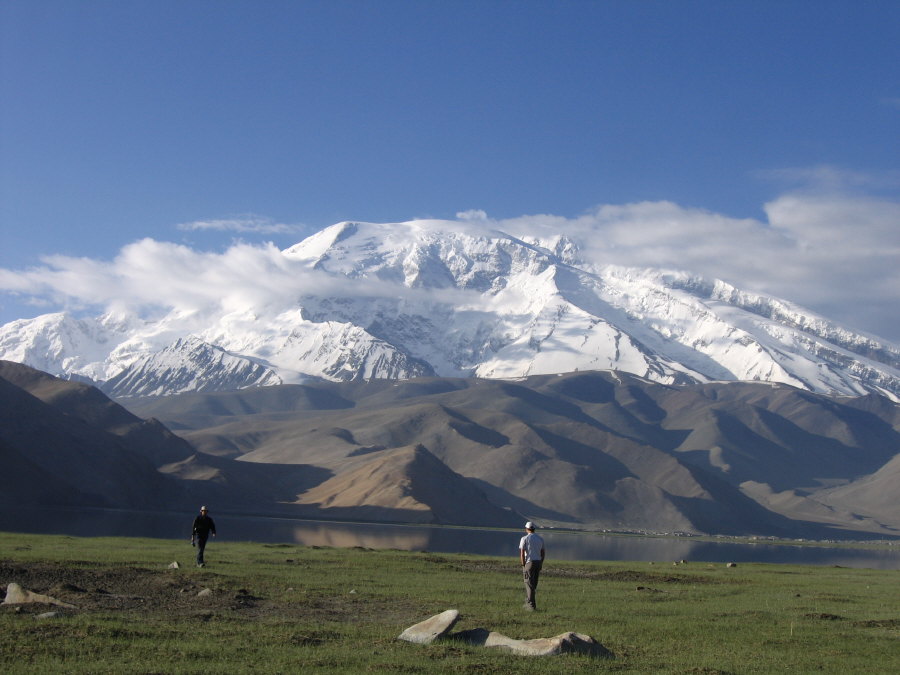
(562, 570)
(106, 588)
(629, 576)
(172, 593)
(481, 566)
(821, 616)
(878, 623)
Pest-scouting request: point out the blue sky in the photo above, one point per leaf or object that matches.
(207, 122)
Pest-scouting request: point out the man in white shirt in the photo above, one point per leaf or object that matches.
(531, 555)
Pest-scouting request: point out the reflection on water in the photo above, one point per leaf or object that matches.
(560, 545)
(343, 535)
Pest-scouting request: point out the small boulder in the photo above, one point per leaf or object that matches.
(566, 643)
(204, 593)
(174, 565)
(431, 629)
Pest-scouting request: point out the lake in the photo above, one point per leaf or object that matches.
(560, 545)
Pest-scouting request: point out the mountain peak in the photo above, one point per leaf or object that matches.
(457, 298)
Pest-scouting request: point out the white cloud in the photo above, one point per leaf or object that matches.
(825, 179)
(473, 215)
(844, 257)
(150, 276)
(248, 223)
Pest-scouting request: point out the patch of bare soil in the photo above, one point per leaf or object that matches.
(632, 576)
(171, 593)
(109, 588)
(824, 617)
(565, 571)
(879, 623)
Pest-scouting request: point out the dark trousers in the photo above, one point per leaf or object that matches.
(531, 571)
(201, 546)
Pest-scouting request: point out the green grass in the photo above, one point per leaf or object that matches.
(286, 609)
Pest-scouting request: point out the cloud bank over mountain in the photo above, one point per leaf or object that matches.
(836, 253)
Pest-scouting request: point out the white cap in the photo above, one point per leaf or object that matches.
(529, 525)
(203, 508)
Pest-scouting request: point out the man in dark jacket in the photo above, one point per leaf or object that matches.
(203, 527)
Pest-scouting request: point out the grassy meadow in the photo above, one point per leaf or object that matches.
(285, 609)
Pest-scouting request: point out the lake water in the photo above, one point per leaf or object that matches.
(560, 545)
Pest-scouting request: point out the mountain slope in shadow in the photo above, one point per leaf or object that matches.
(591, 450)
(599, 450)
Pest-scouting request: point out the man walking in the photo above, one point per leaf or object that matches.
(203, 527)
(531, 555)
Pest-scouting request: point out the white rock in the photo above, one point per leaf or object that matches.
(564, 643)
(16, 595)
(431, 629)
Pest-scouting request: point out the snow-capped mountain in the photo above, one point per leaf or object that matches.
(188, 365)
(444, 298)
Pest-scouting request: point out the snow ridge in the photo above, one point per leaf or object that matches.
(453, 299)
(190, 364)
